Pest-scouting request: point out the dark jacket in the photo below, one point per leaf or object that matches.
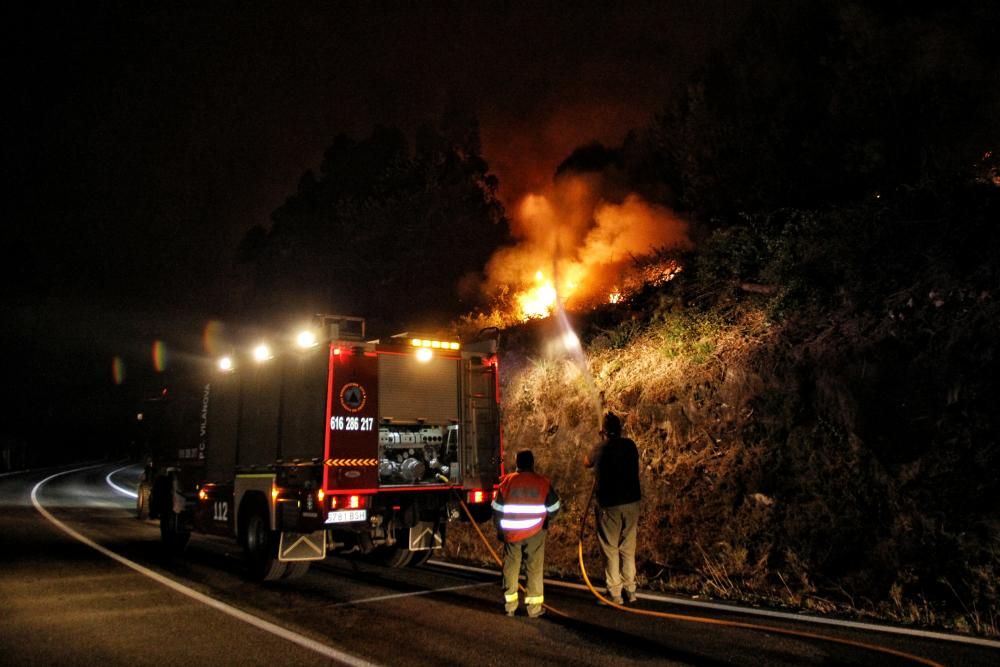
(616, 462)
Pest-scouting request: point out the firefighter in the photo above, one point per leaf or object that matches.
(522, 508)
(616, 464)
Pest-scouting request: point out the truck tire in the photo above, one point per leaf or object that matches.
(420, 557)
(296, 569)
(173, 534)
(261, 547)
(142, 501)
(393, 556)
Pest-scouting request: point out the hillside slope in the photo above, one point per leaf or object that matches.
(814, 400)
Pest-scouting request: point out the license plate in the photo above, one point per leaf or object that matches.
(346, 516)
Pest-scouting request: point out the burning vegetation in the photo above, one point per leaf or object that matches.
(829, 444)
(580, 247)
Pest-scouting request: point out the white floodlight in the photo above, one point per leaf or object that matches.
(306, 339)
(262, 352)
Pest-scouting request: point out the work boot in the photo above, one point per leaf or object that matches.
(616, 600)
(631, 598)
(535, 612)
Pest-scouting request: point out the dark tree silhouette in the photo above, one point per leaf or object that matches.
(382, 231)
(826, 103)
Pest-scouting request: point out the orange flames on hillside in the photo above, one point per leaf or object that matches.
(578, 247)
(537, 300)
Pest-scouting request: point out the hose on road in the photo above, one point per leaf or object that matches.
(801, 634)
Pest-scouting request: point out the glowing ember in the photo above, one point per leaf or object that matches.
(615, 296)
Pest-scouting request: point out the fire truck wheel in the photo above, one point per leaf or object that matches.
(394, 556)
(173, 534)
(420, 557)
(296, 569)
(262, 548)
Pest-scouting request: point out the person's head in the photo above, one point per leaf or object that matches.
(525, 460)
(611, 426)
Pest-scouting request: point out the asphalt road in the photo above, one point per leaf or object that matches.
(65, 602)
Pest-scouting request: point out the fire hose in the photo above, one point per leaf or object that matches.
(800, 634)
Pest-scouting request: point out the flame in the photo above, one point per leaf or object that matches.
(537, 301)
(598, 251)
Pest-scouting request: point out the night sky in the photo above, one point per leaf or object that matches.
(144, 139)
(837, 161)
(148, 140)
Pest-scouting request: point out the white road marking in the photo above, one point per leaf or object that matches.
(239, 614)
(348, 659)
(27, 470)
(872, 627)
(395, 596)
(120, 489)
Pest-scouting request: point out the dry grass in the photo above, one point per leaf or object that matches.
(757, 486)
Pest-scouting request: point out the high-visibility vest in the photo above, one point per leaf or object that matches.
(521, 505)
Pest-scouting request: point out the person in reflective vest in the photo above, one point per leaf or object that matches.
(523, 505)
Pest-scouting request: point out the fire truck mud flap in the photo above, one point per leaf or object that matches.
(302, 546)
(425, 535)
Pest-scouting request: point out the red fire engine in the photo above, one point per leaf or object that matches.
(336, 445)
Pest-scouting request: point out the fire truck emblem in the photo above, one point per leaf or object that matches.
(353, 397)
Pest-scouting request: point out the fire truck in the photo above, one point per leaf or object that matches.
(336, 444)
